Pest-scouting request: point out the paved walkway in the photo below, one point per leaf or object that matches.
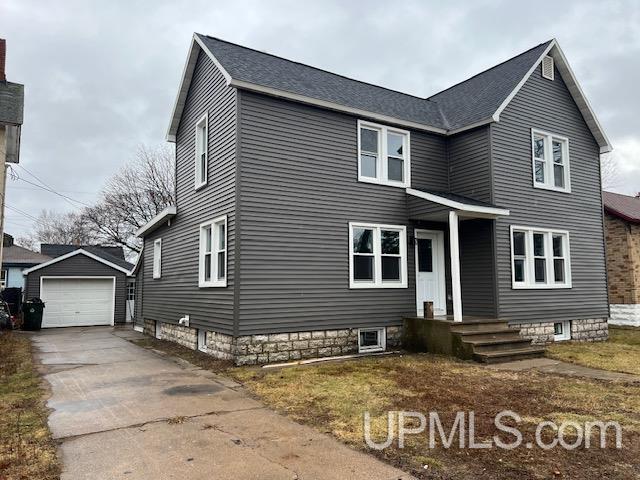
(123, 412)
(559, 367)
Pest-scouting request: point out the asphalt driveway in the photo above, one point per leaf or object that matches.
(123, 412)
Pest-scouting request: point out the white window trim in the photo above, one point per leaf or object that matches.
(201, 182)
(382, 164)
(382, 340)
(202, 340)
(3, 281)
(157, 258)
(529, 283)
(214, 282)
(377, 256)
(549, 172)
(566, 331)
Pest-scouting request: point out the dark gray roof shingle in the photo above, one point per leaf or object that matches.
(480, 96)
(462, 105)
(11, 103)
(114, 255)
(17, 255)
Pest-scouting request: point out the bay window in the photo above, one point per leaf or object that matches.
(378, 256)
(383, 155)
(539, 258)
(212, 269)
(550, 161)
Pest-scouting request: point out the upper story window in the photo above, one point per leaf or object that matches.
(157, 258)
(550, 161)
(202, 154)
(383, 155)
(540, 258)
(213, 253)
(378, 256)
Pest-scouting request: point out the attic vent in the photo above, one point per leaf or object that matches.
(547, 67)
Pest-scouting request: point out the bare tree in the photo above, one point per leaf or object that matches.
(52, 227)
(609, 172)
(133, 196)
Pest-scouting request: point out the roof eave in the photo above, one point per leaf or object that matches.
(619, 214)
(73, 253)
(165, 215)
(459, 206)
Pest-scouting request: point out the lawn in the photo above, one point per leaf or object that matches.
(27, 450)
(333, 396)
(621, 353)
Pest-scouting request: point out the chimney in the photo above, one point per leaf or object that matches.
(3, 56)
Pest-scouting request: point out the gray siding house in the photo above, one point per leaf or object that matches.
(314, 212)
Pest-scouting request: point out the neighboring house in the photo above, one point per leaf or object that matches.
(314, 212)
(14, 260)
(81, 285)
(622, 231)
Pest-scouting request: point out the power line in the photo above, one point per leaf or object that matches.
(14, 187)
(48, 188)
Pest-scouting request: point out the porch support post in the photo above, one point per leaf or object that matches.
(454, 250)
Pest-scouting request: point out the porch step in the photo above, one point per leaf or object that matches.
(499, 342)
(509, 355)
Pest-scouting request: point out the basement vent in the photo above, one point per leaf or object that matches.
(547, 67)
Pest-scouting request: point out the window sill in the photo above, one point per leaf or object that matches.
(200, 186)
(516, 286)
(371, 349)
(386, 183)
(157, 278)
(553, 189)
(357, 286)
(212, 284)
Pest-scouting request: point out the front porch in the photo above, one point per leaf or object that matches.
(455, 269)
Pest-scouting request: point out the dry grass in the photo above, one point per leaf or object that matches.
(195, 357)
(27, 450)
(332, 397)
(621, 353)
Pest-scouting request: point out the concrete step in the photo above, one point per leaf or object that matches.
(484, 329)
(509, 355)
(499, 344)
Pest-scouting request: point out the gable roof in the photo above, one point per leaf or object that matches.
(17, 255)
(476, 101)
(622, 206)
(111, 254)
(81, 251)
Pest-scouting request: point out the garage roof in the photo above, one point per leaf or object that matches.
(81, 251)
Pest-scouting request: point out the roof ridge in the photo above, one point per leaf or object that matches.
(488, 69)
(318, 68)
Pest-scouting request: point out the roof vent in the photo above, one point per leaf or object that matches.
(547, 67)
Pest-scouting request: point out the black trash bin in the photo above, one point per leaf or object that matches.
(32, 313)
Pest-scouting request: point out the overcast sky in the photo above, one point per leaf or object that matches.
(101, 77)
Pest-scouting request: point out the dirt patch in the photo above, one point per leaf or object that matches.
(27, 450)
(621, 353)
(334, 397)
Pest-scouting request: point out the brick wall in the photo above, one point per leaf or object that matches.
(623, 260)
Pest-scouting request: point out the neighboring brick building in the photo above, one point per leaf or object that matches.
(622, 225)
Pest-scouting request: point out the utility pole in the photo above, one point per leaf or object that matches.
(11, 113)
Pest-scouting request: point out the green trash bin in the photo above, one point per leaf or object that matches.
(32, 314)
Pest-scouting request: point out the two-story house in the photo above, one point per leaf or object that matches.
(313, 212)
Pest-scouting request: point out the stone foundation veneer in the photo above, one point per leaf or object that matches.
(589, 330)
(625, 314)
(273, 347)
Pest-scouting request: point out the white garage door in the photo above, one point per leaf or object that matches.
(76, 302)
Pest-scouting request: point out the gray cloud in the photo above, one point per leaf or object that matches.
(101, 77)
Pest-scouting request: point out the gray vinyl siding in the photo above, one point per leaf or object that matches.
(547, 105)
(469, 164)
(78, 266)
(177, 293)
(300, 190)
(477, 276)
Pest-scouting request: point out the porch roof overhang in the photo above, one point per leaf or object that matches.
(435, 206)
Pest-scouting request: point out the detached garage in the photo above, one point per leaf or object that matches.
(85, 286)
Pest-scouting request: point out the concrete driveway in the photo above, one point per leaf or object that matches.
(123, 412)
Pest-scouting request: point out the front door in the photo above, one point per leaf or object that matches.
(430, 283)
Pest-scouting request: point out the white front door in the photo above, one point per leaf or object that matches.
(430, 282)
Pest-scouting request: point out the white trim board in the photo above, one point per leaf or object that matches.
(462, 207)
(80, 251)
(165, 215)
(553, 49)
